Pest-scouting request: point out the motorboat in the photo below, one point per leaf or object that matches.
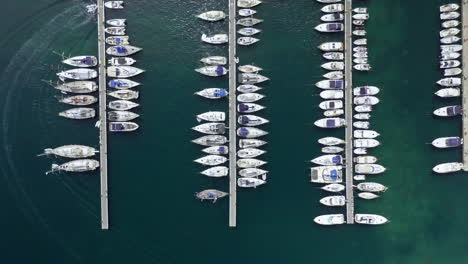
(121, 61)
(370, 219)
(360, 42)
(249, 108)
(251, 78)
(248, 88)
(333, 17)
(211, 160)
(78, 74)
(247, 153)
(366, 90)
(449, 8)
(212, 16)
(122, 84)
(79, 100)
(71, 151)
(330, 84)
(124, 94)
(333, 122)
(117, 40)
(78, 113)
(214, 60)
(217, 171)
(114, 4)
(212, 71)
(333, 66)
(251, 143)
(250, 182)
(449, 15)
(249, 31)
(250, 132)
(212, 93)
(361, 16)
(365, 143)
(121, 116)
(210, 194)
(365, 100)
(249, 68)
(371, 187)
(360, 151)
(81, 61)
(246, 41)
(365, 159)
(449, 55)
(331, 46)
(362, 67)
(332, 149)
(210, 128)
(249, 21)
(359, 32)
(116, 31)
(331, 141)
(365, 133)
(332, 94)
(448, 167)
(123, 71)
(330, 219)
(361, 124)
(123, 105)
(333, 112)
(212, 116)
(450, 23)
(216, 150)
(81, 165)
(215, 39)
(359, 177)
(79, 87)
(331, 104)
(360, 49)
(359, 22)
(333, 187)
(450, 40)
(246, 12)
(360, 10)
(449, 64)
(326, 174)
(210, 140)
(116, 22)
(250, 163)
(252, 172)
(333, 55)
(363, 108)
(333, 8)
(122, 50)
(447, 142)
(330, 27)
(369, 168)
(451, 48)
(251, 120)
(249, 97)
(335, 200)
(362, 116)
(452, 110)
(248, 3)
(448, 92)
(334, 75)
(368, 195)
(452, 72)
(328, 160)
(360, 55)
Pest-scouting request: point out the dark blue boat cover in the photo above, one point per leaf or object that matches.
(219, 70)
(243, 132)
(121, 49)
(454, 110)
(453, 142)
(330, 123)
(244, 120)
(243, 108)
(117, 126)
(336, 159)
(363, 91)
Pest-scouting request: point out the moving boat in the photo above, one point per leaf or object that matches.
(248, 3)
(331, 104)
(248, 31)
(250, 132)
(365, 134)
(331, 46)
(212, 93)
(123, 50)
(122, 84)
(362, 116)
(369, 168)
(365, 100)
(121, 116)
(245, 41)
(333, 187)
(330, 27)
(330, 84)
(248, 88)
(333, 122)
(333, 17)
(71, 151)
(333, 8)
(246, 12)
(333, 65)
(81, 61)
(215, 39)
(452, 71)
(365, 159)
(117, 40)
(332, 149)
(449, 7)
(247, 153)
(117, 22)
(335, 200)
(448, 92)
(371, 187)
(450, 23)
(363, 108)
(250, 163)
(450, 40)
(210, 140)
(122, 105)
(366, 90)
(78, 74)
(114, 4)
(249, 108)
(252, 172)
(79, 100)
(212, 116)
(333, 113)
(332, 94)
(249, 68)
(249, 97)
(250, 182)
(214, 60)
(211, 128)
(361, 124)
(330, 219)
(333, 55)
(123, 71)
(370, 219)
(78, 87)
(331, 141)
(212, 16)
(449, 64)
(211, 160)
(362, 67)
(449, 15)
(78, 113)
(218, 171)
(216, 150)
(251, 78)
(251, 120)
(448, 167)
(249, 21)
(368, 195)
(452, 110)
(117, 31)
(365, 143)
(328, 160)
(251, 143)
(326, 174)
(361, 41)
(81, 165)
(447, 142)
(212, 71)
(210, 195)
(121, 61)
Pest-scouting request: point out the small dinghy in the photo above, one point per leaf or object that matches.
(250, 182)
(249, 97)
(450, 40)
(248, 3)
(122, 84)
(331, 46)
(448, 92)
(334, 75)
(333, 113)
(331, 141)
(363, 108)
(248, 88)
(212, 71)
(360, 42)
(333, 8)
(250, 163)
(210, 140)
(365, 159)
(79, 100)
(116, 31)
(365, 143)
(252, 172)
(452, 72)
(215, 39)
(123, 50)
(251, 143)
(361, 16)
(251, 120)
(251, 78)
(333, 122)
(365, 134)
(333, 17)
(362, 67)
(366, 100)
(116, 22)
(249, 21)
(71, 151)
(371, 187)
(330, 219)
(121, 61)
(114, 4)
(331, 104)
(449, 8)
(214, 60)
(328, 160)
(330, 84)
(246, 12)
(124, 94)
(250, 132)
(78, 74)
(449, 15)
(247, 153)
(367, 195)
(246, 41)
(121, 116)
(212, 16)
(249, 68)
(360, 10)
(123, 71)
(218, 171)
(449, 64)
(122, 105)
(332, 149)
(81, 61)
(333, 66)
(216, 150)
(81, 165)
(332, 94)
(210, 195)
(336, 200)
(248, 31)
(337, 56)
(452, 110)
(361, 124)
(330, 27)
(450, 23)
(211, 128)
(366, 90)
(370, 219)
(79, 87)
(117, 40)
(212, 116)
(211, 160)
(333, 187)
(78, 113)
(212, 93)
(448, 167)
(362, 116)
(447, 142)
(249, 108)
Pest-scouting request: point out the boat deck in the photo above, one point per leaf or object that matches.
(464, 11)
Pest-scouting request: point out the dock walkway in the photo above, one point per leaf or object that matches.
(464, 12)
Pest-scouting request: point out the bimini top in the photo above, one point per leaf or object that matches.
(331, 123)
(453, 142)
(334, 26)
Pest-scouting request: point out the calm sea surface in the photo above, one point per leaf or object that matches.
(153, 215)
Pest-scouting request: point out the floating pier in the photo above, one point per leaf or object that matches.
(464, 12)
(101, 20)
(232, 116)
(348, 92)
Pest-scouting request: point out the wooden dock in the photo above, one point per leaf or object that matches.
(101, 20)
(232, 116)
(348, 53)
(464, 11)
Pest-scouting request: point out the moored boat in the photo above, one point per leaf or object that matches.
(122, 105)
(216, 150)
(249, 182)
(212, 93)
(371, 187)
(117, 40)
(331, 141)
(212, 16)
(333, 122)
(333, 187)
(81, 61)
(78, 113)
(249, 107)
(71, 151)
(78, 74)
(447, 142)
(122, 83)
(250, 132)
(214, 60)
(370, 219)
(334, 200)
(81, 165)
(330, 219)
(212, 116)
(326, 174)
(210, 140)
(121, 116)
(368, 195)
(215, 39)
(210, 194)
(122, 126)
(80, 100)
(217, 171)
(123, 71)
(211, 160)
(448, 167)
(250, 163)
(122, 50)
(79, 87)
(251, 143)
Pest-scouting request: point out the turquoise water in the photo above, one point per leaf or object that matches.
(153, 215)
